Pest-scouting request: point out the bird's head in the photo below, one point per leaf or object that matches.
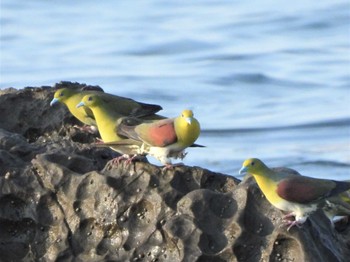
(89, 101)
(61, 95)
(252, 166)
(187, 115)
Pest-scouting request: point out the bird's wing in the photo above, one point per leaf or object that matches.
(145, 110)
(301, 189)
(286, 171)
(126, 127)
(158, 134)
(92, 88)
(129, 107)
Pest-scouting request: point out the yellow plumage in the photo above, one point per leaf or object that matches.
(289, 191)
(163, 139)
(109, 112)
(71, 97)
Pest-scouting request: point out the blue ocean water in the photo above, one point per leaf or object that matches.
(266, 79)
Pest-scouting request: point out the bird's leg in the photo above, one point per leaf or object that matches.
(290, 224)
(297, 222)
(285, 217)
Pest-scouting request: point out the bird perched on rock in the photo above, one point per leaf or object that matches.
(110, 110)
(71, 97)
(162, 139)
(118, 105)
(288, 191)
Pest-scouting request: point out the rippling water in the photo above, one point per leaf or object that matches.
(270, 81)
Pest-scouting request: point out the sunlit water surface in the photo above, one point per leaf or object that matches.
(265, 80)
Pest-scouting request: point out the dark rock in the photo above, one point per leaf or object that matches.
(62, 200)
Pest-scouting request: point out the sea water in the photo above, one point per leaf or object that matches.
(266, 79)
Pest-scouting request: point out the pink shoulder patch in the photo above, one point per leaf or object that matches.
(162, 135)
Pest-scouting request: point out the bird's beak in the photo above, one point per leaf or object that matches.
(243, 170)
(54, 101)
(80, 104)
(188, 120)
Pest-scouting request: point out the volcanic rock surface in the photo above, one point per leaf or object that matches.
(62, 199)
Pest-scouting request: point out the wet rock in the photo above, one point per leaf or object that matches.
(62, 199)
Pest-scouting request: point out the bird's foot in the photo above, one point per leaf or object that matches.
(291, 223)
(171, 166)
(116, 160)
(86, 128)
(129, 159)
(99, 141)
(288, 216)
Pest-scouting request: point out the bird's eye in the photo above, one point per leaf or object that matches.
(90, 98)
(252, 163)
(61, 94)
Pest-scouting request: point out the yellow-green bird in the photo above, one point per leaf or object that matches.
(166, 138)
(299, 195)
(118, 105)
(109, 113)
(71, 97)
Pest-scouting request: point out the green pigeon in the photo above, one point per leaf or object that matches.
(117, 105)
(299, 195)
(109, 111)
(163, 139)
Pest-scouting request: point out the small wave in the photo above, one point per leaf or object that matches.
(171, 48)
(253, 78)
(325, 163)
(229, 57)
(256, 78)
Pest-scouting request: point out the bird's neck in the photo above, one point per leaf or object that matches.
(186, 133)
(264, 183)
(106, 124)
(268, 186)
(72, 99)
(71, 102)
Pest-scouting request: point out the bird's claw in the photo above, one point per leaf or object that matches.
(171, 166)
(86, 128)
(167, 167)
(288, 216)
(128, 159)
(116, 160)
(293, 223)
(99, 141)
